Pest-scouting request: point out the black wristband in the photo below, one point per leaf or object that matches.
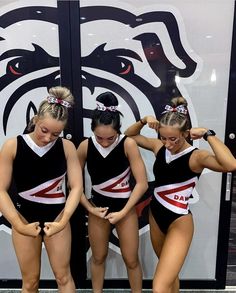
(141, 121)
(209, 133)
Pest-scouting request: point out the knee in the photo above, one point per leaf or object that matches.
(31, 284)
(131, 264)
(63, 278)
(99, 260)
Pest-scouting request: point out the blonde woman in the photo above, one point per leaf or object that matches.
(38, 162)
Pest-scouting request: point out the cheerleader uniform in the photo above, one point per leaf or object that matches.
(174, 183)
(109, 170)
(39, 174)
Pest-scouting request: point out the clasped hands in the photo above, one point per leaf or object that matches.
(103, 212)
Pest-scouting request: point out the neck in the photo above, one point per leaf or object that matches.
(182, 147)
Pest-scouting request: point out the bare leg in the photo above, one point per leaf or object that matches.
(28, 252)
(58, 248)
(127, 230)
(99, 231)
(172, 250)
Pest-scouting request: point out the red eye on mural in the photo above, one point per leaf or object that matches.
(15, 69)
(126, 68)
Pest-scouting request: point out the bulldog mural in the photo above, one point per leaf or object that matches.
(140, 54)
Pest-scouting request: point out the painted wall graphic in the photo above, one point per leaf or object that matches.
(147, 52)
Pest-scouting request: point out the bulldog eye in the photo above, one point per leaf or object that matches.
(126, 67)
(14, 68)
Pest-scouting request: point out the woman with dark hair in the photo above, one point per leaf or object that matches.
(110, 158)
(38, 162)
(177, 168)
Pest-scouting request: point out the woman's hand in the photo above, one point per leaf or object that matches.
(114, 217)
(31, 229)
(51, 228)
(99, 212)
(152, 122)
(197, 132)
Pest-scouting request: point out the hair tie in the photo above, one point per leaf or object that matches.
(54, 100)
(102, 107)
(180, 109)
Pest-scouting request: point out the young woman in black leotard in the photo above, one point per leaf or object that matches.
(176, 169)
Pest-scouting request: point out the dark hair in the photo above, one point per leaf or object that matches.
(54, 108)
(173, 117)
(109, 115)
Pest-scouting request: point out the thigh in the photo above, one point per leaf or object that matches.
(58, 248)
(174, 250)
(157, 236)
(99, 232)
(28, 252)
(127, 230)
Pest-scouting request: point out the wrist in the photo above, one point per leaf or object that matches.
(19, 226)
(208, 133)
(90, 209)
(142, 121)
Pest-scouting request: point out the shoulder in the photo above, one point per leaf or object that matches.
(199, 154)
(10, 143)
(130, 142)
(131, 148)
(83, 148)
(83, 145)
(67, 143)
(9, 146)
(197, 159)
(68, 146)
(82, 151)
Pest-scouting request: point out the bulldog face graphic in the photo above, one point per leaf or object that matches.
(141, 55)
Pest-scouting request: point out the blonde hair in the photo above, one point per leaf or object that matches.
(175, 117)
(55, 109)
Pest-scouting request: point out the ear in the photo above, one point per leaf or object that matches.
(186, 133)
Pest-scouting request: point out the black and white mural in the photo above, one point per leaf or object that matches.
(145, 52)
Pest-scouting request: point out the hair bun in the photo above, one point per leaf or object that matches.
(179, 101)
(108, 99)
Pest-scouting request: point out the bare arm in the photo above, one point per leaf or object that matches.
(82, 155)
(139, 173)
(7, 207)
(75, 180)
(152, 144)
(221, 160)
(75, 183)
